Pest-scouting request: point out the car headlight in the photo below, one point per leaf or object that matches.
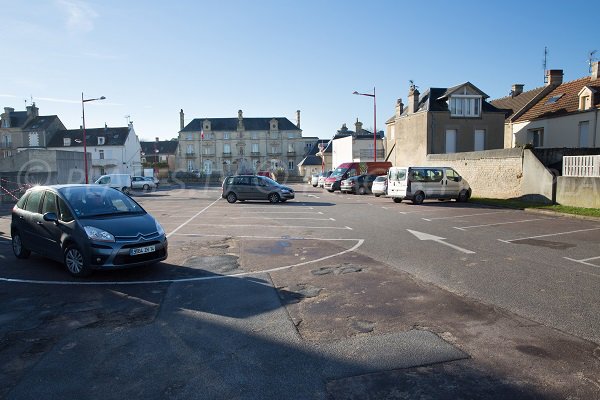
(99, 235)
(285, 191)
(159, 229)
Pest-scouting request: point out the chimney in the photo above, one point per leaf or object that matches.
(595, 72)
(181, 119)
(554, 77)
(413, 99)
(32, 111)
(516, 90)
(240, 121)
(156, 140)
(298, 119)
(399, 107)
(358, 126)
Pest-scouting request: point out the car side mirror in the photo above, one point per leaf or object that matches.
(50, 217)
(459, 179)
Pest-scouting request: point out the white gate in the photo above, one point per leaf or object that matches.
(581, 166)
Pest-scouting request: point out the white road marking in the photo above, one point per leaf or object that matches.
(266, 207)
(468, 215)
(205, 278)
(427, 236)
(550, 234)
(462, 228)
(312, 195)
(584, 261)
(271, 226)
(198, 213)
(278, 218)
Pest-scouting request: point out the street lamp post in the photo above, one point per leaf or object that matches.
(374, 120)
(84, 141)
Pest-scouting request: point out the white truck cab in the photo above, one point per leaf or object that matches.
(420, 183)
(120, 182)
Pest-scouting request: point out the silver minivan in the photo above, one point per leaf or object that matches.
(420, 183)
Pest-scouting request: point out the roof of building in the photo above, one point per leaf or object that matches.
(563, 100)
(513, 104)
(163, 147)
(230, 124)
(311, 160)
(41, 122)
(113, 137)
(17, 118)
(434, 99)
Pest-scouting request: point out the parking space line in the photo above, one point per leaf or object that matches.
(468, 215)
(267, 207)
(462, 228)
(197, 279)
(282, 218)
(286, 212)
(549, 234)
(269, 226)
(584, 261)
(198, 213)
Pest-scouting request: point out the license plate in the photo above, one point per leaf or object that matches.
(142, 250)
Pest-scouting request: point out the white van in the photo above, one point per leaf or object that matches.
(120, 182)
(420, 183)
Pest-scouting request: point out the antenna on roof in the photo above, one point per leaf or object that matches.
(545, 63)
(591, 59)
(128, 118)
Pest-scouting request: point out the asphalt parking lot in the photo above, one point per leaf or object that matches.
(328, 296)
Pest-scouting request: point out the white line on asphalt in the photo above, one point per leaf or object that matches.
(278, 218)
(205, 278)
(550, 234)
(268, 207)
(198, 213)
(468, 215)
(312, 195)
(462, 228)
(252, 237)
(584, 261)
(271, 226)
(284, 212)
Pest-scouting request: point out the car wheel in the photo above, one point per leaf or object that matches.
(18, 248)
(146, 187)
(418, 198)
(376, 195)
(397, 200)
(75, 263)
(126, 190)
(330, 190)
(362, 190)
(274, 198)
(231, 198)
(463, 196)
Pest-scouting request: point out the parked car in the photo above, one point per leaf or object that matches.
(322, 177)
(314, 180)
(153, 179)
(379, 186)
(141, 182)
(347, 170)
(87, 227)
(420, 183)
(254, 187)
(120, 182)
(360, 184)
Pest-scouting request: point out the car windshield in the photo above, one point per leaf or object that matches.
(339, 172)
(380, 179)
(94, 201)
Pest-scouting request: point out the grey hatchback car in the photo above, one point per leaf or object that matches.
(254, 187)
(86, 227)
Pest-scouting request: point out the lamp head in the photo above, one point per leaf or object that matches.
(355, 92)
(102, 98)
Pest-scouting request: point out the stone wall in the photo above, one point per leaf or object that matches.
(490, 173)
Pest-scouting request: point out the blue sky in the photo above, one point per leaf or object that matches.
(270, 58)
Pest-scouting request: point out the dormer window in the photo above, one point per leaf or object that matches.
(465, 106)
(586, 98)
(101, 140)
(66, 142)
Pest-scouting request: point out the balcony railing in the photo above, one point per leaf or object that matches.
(6, 145)
(226, 155)
(190, 155)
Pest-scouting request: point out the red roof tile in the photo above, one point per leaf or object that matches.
(567, 103)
